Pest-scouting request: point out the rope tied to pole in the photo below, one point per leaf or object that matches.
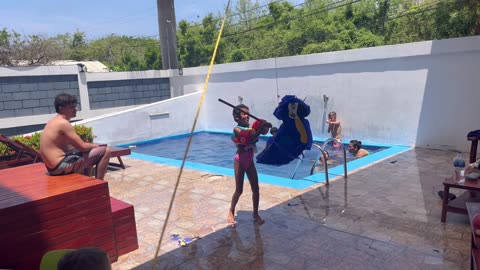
(202, 97)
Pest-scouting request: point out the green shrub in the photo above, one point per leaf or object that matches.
(3, 149)
(33, 141)
(84, 132)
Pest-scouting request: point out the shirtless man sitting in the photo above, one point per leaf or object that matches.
(59, 141)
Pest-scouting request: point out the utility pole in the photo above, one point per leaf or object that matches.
(167, 27)
(168, 47)
(110, 54)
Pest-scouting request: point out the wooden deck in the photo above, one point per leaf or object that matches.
(124, 225)
(40, 213)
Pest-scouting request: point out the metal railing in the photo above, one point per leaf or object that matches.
(297, 166)
(344, 153)
(322, 153)
(315, 162)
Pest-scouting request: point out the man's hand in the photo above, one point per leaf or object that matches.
(471, 169)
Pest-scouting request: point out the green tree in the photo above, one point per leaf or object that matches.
(78, 46)
(238, 55)
(152, 58)
(129, 63)
(28, 50)
(254, 32)
(112, 50)
(5, 48)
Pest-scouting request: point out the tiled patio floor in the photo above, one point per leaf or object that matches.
(386, 216)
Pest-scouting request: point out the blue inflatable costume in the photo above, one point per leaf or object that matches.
(293, 136)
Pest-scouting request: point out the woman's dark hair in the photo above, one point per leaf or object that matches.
(85, 258)
(63, 100)
(237, 111)
(356, 144)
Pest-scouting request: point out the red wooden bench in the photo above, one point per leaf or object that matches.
(124, 227)
(40, 213)
(473, 209)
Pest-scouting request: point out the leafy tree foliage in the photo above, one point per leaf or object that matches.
(78, 46)
(258, 30)
(30, 50)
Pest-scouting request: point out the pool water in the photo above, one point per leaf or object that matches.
(217, 149)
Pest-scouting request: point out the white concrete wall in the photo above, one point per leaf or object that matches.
(425, 94)
(163, 118)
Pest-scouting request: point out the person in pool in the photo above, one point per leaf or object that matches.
(334, 128)
(355, 147)
(329, 160)
(244, 138)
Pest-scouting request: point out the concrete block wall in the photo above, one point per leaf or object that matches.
(118, 93)
(33, 95)
(27, 93)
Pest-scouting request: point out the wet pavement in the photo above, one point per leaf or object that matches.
(386, 216)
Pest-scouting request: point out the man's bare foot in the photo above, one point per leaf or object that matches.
(231, 219)
(258, 219)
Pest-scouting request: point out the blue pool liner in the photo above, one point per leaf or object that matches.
(270, 179)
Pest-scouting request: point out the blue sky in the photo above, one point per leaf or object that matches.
(100, 17)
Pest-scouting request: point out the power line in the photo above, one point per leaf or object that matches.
(310, 13)
(428, 7)
(253, 9)
(421, 9)
(267, 15)
(425, 7)
(256, 18)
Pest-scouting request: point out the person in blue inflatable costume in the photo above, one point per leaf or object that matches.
(293, 135)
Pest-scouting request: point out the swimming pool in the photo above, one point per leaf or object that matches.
(213, 152)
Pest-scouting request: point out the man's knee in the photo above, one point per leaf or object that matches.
(104, 152)
(108, 152)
